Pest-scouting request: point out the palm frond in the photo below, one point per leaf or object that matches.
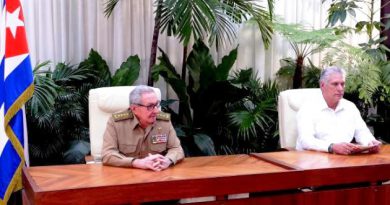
(255, 116)
(65, 73)
(298, 34)
(260, 15)
(45, 149)
(109, 7)
(217, 19)
(45, 90)
(57, 111)
(38, 67)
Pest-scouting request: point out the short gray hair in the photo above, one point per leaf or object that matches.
(136, 94)
(329, 71)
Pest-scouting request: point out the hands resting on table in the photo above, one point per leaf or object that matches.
(350, 148)
(155, 162)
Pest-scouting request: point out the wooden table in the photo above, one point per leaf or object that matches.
(361, 175)
(327, 169)
(277, 177)
(198, 176)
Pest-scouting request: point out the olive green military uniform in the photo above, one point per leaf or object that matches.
(124, 140)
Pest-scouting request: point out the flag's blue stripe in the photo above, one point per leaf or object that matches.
(16, 124)
(9, 162)
(10, 158)
(19, 80)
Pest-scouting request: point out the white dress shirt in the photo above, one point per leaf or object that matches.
(318, 125)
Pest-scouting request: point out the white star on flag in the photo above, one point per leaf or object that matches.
(13, 21)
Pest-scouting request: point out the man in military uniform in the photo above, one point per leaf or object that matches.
(142, 136)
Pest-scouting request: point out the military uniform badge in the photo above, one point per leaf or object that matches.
(159, 138)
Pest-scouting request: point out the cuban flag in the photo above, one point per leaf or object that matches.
(16, 88)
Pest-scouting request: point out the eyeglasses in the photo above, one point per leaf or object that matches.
(150, 107)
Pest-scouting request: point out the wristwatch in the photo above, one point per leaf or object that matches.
(172, 163)
(330, 148)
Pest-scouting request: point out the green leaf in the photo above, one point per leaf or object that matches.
(386, 73)
(168, 72)
(226, 65)
(245, 120)
(343, 16)
(383, 47)
(180, 132)
(378, 25)
(242, 76)
(387, 25)
(379, 40)
(352, 12)
(201, 66)
(205, 144)
(338, 11)
(360, 25)
(369, 28)
(128, 72)
(311, 76)
(97, 64)
(77, 152)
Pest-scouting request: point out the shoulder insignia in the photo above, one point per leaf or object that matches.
(163, 116)
(122, 115)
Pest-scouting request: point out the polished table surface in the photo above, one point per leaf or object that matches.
(202, 176)
(51, 178)
(197, 176)
(330, 169)
(305, 160)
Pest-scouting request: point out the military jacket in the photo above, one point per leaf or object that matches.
(124, 140)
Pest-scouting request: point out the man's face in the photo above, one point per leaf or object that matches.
(147, 110)
(333, 89)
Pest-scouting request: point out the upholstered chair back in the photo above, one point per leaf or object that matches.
(289, 102)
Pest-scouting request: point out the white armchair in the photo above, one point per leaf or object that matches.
(103, 102)
(289, 102)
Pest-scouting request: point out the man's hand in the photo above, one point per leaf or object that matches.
(165, 162)
(155, 162)
(345, 148)
(150, 162)
(376, 146)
